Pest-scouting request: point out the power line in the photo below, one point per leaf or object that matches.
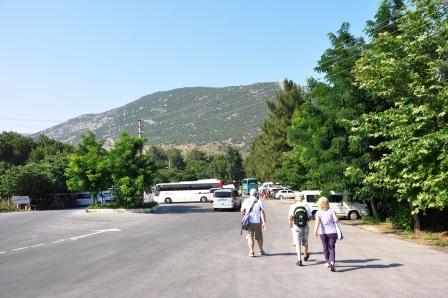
(29, 120)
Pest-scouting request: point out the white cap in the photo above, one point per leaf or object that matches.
(253, 192)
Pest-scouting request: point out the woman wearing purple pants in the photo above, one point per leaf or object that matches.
(326, 219)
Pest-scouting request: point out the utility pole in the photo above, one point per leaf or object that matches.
(140, 128)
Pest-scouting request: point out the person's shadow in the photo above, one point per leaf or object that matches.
(340, 265)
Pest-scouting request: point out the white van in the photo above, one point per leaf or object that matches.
(84, 198)
(226, 199)
(351, 210)
(104, 197)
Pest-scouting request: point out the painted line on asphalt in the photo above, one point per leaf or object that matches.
(37, 245)
(62, 240)
(20, 248)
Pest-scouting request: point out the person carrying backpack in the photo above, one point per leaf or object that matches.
(298, 217)
(257, 218)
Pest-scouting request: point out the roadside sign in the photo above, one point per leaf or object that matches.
(19, 200)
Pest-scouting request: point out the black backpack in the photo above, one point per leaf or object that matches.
(300, 216)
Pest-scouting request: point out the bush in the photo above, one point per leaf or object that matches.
(4, 206)
(403, 220)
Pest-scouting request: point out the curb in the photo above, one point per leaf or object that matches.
(123, 210)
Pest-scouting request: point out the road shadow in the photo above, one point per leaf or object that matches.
(357, 261)
(357, 267)
(280, 254)
(179, 209)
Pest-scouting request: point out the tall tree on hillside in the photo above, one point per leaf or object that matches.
(410, 69)
(265, 154)
(321, 127)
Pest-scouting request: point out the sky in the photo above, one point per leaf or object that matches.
(61, 59)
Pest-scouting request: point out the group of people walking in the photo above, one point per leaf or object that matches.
(324, 227)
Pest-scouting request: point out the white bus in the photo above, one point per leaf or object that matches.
(185, 191)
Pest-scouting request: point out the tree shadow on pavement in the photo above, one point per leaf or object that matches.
(166, 209)
(280, 254)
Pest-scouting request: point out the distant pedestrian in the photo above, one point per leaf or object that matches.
(257, 221)
(298, 216)
(326, 219)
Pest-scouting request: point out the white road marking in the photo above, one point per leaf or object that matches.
(94, 233)
(37, 245)
(61, 240)
(20, 248)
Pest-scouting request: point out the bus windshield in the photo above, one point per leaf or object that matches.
(248, 184)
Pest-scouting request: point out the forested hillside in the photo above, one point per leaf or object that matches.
(196, 115)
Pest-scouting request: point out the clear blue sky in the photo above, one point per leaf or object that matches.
(61, 59)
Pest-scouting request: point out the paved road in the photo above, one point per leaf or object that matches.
(187, 250)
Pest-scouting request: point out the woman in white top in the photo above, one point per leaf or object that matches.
(326, 219)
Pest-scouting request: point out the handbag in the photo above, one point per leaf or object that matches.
(245, 222)
(338, 229)
(339, 232)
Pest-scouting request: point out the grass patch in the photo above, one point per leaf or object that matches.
(370, 220)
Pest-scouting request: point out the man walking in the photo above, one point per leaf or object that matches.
(298, 216)
(257, 215)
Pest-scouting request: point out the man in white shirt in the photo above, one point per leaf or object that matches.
(257, 221)
(300, 233)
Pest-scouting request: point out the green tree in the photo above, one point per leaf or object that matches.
(44, 146)
(321, 126)
(234, 168)
(15, 148)
(175, 159)
(35, 179)
(131, 172)
(410, 69)
(265, 153)
(88, 166)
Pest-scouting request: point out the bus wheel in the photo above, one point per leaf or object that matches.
(203, 200)
(168, 200)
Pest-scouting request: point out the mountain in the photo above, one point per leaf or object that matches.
(185, 116)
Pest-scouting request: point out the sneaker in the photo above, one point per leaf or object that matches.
(327, 265)
(299, 263)
(262, 252)
(306, 257)
(252, 254)
(332, 267)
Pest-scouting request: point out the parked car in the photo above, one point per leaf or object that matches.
(84, 198)
(226, 199)
(284, 194)
(210, 194)
(104, 197)
(342, 208)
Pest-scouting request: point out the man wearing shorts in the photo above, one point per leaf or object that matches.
(257, 222)
(300, 233)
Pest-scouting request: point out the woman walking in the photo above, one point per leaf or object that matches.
(326, 219)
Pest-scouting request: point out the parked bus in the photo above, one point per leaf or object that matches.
(248, 184)
(185, 191)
